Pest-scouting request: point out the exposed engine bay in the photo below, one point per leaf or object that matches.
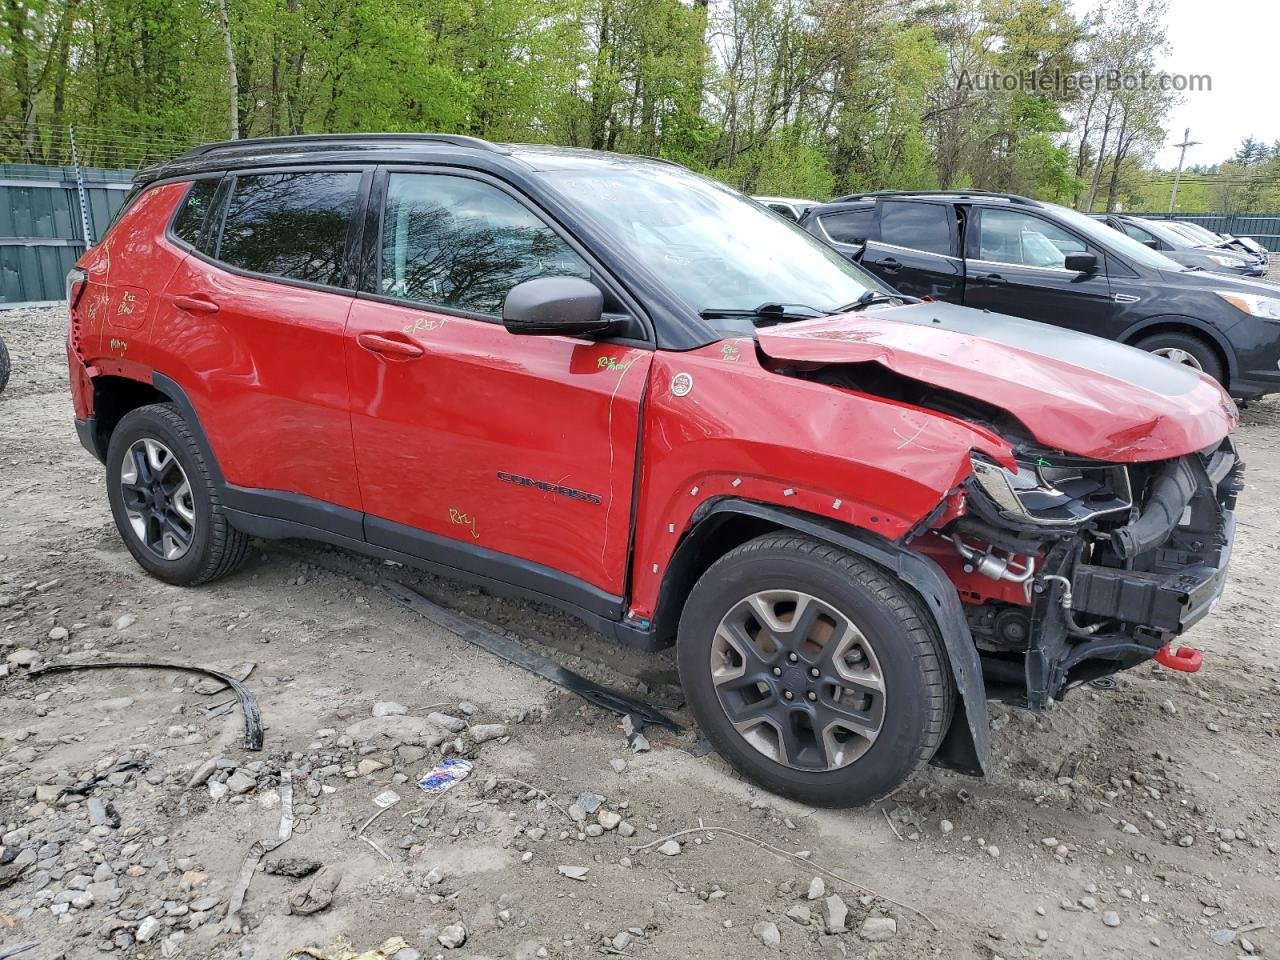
(1070, 568)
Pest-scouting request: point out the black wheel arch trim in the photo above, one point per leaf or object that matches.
(967, 744)
(1140, 329)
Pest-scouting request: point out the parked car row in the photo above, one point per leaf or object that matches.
(1176, 244)
(613, 386)
(1023, 257)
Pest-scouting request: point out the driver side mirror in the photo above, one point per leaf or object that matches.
(1151, 242)
(569, 306)
(1081, 262)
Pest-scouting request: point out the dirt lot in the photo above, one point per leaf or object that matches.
(1138, 821)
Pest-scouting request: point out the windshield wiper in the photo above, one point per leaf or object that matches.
(766, 311)
(873, 297)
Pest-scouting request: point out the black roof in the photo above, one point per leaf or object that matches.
(380, 148)
(966, 195)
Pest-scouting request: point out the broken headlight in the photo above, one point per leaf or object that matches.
(1057, 491)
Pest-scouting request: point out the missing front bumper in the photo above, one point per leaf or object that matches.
(1136, 609)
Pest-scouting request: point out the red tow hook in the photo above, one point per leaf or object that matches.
(1184, 659)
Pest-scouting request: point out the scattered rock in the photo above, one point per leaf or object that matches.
(877, 929)
(801, 914)
(484, 732)
(146, 929)
(835, 915)
(573, 873)
(452, 936)
(241, 782)
(767, 933)
(389, 708)
(608, 819)
(670, 849)
(452, 724)
(817, 889)
(1111, 918)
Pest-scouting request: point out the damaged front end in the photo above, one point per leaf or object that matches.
(1072, 569)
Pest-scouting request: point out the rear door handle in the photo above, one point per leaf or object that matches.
(993, 279)
(387, 347)
(194, 304)
(890, 264)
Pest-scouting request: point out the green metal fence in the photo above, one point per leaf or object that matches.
(45, 215)
(1263, 227)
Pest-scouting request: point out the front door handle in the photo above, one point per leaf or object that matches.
(387, 347)
(194, 304)
(890, 265)
(991, 279)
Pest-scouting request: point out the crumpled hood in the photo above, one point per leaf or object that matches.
(1073, 392)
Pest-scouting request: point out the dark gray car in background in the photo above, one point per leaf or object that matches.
(1014, 255)
(1177, 246)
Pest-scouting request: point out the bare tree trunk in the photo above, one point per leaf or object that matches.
(233, 84)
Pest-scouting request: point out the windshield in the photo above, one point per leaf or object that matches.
(717, 249)
(1194, 230)
(1172, 237)
(1108, 238)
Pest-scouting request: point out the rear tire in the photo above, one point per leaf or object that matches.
(164, 500)
(5, 366)
(1187, 349)
(871, 691)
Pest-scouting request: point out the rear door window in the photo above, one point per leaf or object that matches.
(463, 243)
(193, 213)
(917, 226)
(849, 226)
(292, 225)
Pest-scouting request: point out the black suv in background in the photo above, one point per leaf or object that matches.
(1042, 261)
(1178, 247)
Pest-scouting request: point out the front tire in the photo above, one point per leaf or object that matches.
(5, 366)
(1186, 349)
(813, 672)
(164, 500)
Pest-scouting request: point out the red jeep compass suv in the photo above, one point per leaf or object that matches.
(620, 388)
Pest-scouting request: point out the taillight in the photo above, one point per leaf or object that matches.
(77, 282)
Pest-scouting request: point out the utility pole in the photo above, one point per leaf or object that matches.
(1186, 142)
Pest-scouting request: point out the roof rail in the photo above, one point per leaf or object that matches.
(958, 194)
(328, 139)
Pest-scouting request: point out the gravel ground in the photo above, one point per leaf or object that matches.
(1139, 821)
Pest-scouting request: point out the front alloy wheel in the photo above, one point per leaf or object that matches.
(798, 680)
(157, 499)
(813, 672)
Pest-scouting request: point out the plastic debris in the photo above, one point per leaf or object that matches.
(387, 798)
(446, 774)
(248, 704)
(342, 950)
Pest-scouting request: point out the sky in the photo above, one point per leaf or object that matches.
(1235, 43)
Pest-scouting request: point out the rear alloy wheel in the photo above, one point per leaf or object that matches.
(813, 672)
(165, 502)
(1185, 349)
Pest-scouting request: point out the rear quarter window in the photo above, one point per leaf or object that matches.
(291, 225)
(193, 213)
(849, 226)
